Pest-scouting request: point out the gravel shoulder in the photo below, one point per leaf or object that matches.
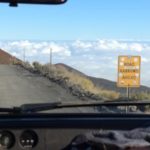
(19, 86)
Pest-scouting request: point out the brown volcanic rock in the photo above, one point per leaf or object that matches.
(6, 58)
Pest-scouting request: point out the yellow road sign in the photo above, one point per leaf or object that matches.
(129, 71)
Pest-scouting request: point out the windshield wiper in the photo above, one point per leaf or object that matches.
(37, 107)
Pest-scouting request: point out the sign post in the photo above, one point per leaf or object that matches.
(129, 72)
(50, 61)
(128, 94)
(128, 97)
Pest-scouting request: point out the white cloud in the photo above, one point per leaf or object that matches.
(31, 49)
(34, 48)
(120, 45)
(15, 54)
(111, 45)
(18, 47)
(62, 50)
(106, 58)
(136, 47)
(82, 44)
(145, 60)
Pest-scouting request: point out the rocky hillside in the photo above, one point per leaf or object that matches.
(72, 80)
(6, 58)
(107, 84)
(83, 86)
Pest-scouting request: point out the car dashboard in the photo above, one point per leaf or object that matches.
(56, 131)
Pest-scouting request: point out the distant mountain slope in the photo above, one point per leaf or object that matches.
(71, 69)
(110, 85)
(106, 84)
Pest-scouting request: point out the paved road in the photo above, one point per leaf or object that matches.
(19, 86)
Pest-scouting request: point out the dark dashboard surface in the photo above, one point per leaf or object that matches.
(38, 139)
(55, 131)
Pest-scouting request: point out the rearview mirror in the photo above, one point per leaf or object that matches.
(14, 3)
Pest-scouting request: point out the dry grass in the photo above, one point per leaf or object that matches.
(141, 96)
(85, 84)
(73, 79)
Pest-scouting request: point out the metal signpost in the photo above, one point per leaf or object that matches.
(24, 55)
(129, 72)
(50, 61)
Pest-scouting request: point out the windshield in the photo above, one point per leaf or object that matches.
(78, 52)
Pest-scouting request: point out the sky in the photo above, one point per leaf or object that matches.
(85, 34)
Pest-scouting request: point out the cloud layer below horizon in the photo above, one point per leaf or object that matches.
(95, 58)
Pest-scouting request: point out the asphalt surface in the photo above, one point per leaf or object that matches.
(18, 86)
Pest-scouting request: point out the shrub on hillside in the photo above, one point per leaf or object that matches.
(17, 62)
(26, 65)
(111, 95)
(140, 96)
(37, 66)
